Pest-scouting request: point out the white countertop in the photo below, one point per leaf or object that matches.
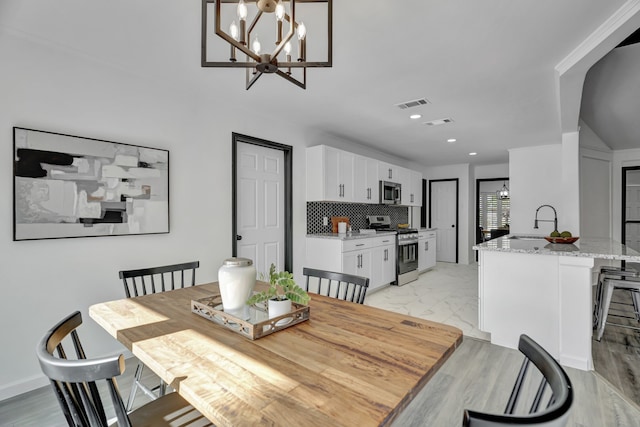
(588, 248)
(351, 236)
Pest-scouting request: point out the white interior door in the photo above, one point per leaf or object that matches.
(260, 206)
(444, 218)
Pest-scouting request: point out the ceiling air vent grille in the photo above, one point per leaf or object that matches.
(411, 104)
(439, 122)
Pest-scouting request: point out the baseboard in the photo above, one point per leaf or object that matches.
(16, 388)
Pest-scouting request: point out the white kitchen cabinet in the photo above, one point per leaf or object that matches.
(335, 175)
(330, 174)
(366, 188)
(415, 188)
(384, 263)
(426, 250)
(373, 257)
(388, 172)
(411, 187)
(357, 262)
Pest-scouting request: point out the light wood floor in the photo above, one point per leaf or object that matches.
(478, 376)
(617, 356)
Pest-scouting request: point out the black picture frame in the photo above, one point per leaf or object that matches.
(68, 186)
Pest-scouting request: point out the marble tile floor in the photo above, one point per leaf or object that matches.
(448, 293)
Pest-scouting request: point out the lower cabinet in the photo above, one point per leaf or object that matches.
(426, 250)
(372, 257)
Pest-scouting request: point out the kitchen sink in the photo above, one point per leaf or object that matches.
(526, 237)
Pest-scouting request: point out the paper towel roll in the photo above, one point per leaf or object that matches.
(342, 227)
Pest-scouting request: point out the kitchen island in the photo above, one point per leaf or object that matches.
(527, 285)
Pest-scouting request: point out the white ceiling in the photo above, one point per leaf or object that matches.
(611, 98)
(488, 65)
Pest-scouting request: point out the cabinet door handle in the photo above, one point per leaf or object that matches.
(412, 198)
(386, 254)
(385, 241)
(426, 246)
(368, 193)
(390, 173)
(360, 244)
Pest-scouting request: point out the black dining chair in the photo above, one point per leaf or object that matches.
(344, 286)
(150, 281)
(82, 386)
(556, 411)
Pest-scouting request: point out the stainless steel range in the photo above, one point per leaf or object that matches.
(406, 248)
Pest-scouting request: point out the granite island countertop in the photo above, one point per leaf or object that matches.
(352, 235)
(536, 245)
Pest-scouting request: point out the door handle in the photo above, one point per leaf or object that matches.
(426, 246)
(453, 226)
(386, 254)
(390, 173)
(238, 237)
(412, 198)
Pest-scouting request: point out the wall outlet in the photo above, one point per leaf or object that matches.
(325, 221)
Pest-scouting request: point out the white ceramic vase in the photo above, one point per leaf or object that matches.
(236, 279)
(279, 307)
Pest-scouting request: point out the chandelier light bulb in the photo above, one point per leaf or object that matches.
(242, 10)
(287, 48)
(280, 11)
(256, 45)
(302, 31)
(233, 29)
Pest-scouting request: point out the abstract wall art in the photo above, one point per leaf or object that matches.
(69, 186)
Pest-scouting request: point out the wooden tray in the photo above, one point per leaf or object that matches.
(259, 324)
(335, 220)
(561, 239)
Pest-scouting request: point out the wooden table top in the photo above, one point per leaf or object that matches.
(348, 365)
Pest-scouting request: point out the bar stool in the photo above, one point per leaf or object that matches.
(611, 272)
(608, 286)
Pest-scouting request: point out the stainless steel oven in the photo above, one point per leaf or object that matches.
(390, 193)
(407, 254)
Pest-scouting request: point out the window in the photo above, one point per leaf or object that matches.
(494, 212)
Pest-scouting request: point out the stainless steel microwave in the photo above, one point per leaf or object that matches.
(390, 193)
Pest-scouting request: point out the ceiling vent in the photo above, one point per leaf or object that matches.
(411, 104)
(439, 122)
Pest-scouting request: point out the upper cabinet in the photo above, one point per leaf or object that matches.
(330, 174)
(339, 176)
(366, 188)
(388, 172)
(415, 187)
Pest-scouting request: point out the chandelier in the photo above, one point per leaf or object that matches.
(252, 25)
(503, 193)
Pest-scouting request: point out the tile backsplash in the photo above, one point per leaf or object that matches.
(357, 213)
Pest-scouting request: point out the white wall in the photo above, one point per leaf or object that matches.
(55, 90)
(465, 205)
(547, 174)
(596, 168)
(535, 176)
(500, 170)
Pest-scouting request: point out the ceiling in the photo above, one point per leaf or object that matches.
(488, 65)
(611, 98)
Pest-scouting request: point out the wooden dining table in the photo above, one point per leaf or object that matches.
(347, 365)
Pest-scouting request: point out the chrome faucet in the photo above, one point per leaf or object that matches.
(555, 218)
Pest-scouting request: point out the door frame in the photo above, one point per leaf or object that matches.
(457, 181)
(288, 192)
(623, 207)
(478, 182)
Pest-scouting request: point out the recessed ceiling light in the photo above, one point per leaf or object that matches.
(473, 154)
(451, 140)
(415, 116)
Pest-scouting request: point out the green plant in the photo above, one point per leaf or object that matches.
(281, 287)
